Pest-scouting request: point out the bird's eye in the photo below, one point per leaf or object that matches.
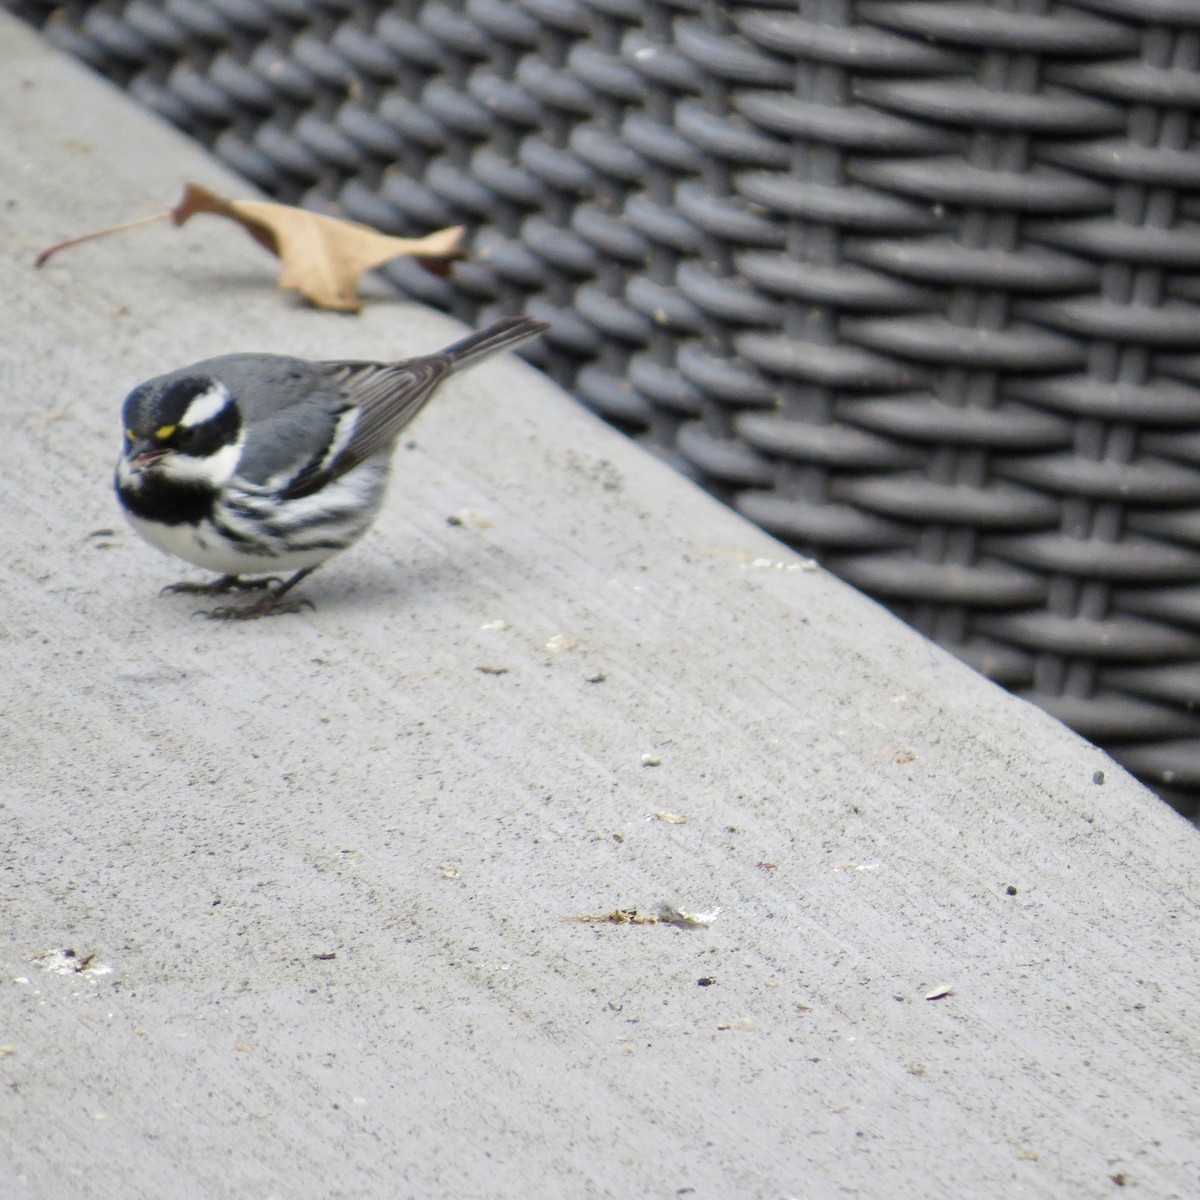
(163, 432)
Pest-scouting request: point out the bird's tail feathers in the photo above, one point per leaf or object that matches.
(502, 335)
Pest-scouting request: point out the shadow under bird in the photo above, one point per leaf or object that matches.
(249, 464)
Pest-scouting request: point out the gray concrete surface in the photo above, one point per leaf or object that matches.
(318, 871)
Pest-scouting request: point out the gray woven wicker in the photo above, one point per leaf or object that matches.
(913, 285)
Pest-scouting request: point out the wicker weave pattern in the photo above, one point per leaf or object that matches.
(912, 284)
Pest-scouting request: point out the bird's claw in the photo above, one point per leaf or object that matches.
(268, 606)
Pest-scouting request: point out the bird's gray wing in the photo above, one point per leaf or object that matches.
(311, 422)
(292, 444)
(382, 398)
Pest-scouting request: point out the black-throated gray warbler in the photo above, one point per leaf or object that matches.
(252, 463)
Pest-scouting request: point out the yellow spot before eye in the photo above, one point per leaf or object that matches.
(130, 435)
(164, 431)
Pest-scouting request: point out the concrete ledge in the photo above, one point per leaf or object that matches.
(318, 870)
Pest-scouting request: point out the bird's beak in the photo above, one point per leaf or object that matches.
(143, 454)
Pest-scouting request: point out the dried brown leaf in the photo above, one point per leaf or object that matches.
(323, 257)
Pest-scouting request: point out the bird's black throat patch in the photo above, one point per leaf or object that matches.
(169, 502)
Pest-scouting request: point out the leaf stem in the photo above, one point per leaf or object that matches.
(46, 254)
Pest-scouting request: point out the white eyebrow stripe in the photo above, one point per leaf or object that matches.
(206, 405)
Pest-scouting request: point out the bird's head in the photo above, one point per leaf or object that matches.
(181, 427)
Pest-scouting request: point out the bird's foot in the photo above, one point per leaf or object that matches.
(221, 586)
(270, 605)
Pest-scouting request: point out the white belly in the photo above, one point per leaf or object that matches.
(204, 546)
